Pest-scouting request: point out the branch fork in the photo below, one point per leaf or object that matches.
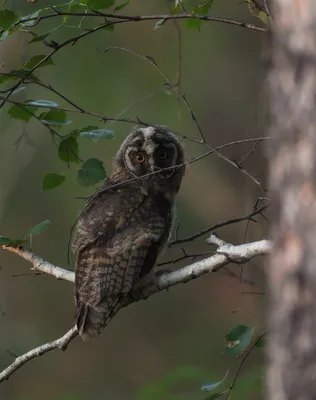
(225, 254)
(239, 254)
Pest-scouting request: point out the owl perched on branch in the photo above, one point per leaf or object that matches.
(125, 225)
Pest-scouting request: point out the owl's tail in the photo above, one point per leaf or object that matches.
(91, 320)
(102, 283)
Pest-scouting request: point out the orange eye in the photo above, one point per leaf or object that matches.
(140, 158)
(162, 154)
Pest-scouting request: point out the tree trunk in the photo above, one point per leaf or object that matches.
(292, 267)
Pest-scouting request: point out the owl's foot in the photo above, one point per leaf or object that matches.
(162, 271)
(140, 291)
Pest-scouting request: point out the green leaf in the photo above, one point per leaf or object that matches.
(122, 5)
(43, 103)
(109, 28)
(193, 23)
(263, 17)
(159, 23)
(88, 128)
(6, 78)
(18, 90)
(33, 61)
(73, 7)
(76, 132)
(211, 386)
(16, 242)
(202, 9)
(4, 35)
(23, 113)
(4, 241)
(97, 134)
(256, 12)
(52, 180)
(34, 21)
(260, 343)
(91, 172)
(99, 4)
(177, 3)
(68, 150)
(23, 73)
(39, 228)
(39, 38)
(7, 19)
(237, 339)
(55, 117)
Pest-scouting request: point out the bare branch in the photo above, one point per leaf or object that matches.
(225, 254)
(248, 217)
(41, 265)
(138, 18)
(60, 343)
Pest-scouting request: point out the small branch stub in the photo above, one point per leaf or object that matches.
(242, 253)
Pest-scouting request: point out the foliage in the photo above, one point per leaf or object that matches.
(176, 381)
(237, 339)
(55, 117)
(36, 230)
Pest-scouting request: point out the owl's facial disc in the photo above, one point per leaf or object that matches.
(151, 150)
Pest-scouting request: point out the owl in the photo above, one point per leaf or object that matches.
(124, 225)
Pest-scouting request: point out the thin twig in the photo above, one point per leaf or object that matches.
(138, 18)
(185, 256)
(216, 226)
(60, 343)
(267, 9)
(240, 168)
(179, 64)
(247, 354)
(57, 46)
(249, 153)
(151, 61)
(173, 86)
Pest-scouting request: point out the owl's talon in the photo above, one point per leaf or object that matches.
(162, 271)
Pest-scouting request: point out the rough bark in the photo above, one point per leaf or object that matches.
(292, 269)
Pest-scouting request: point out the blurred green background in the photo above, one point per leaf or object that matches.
(222, 77)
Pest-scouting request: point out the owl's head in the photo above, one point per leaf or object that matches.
(152, 151)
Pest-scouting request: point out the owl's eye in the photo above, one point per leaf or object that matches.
(140, 158)
(162, 154)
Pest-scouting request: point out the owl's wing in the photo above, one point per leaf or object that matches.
(105, 274)
(97, 216)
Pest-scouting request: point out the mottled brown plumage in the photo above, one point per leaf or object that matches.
(123, 227)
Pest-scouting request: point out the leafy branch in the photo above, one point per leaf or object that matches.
(68, 147)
